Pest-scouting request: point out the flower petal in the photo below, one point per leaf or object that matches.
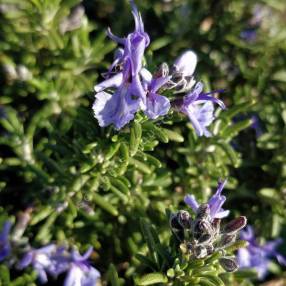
(146, 75)
(191, 201)
(222, 214)
(216, 202)
(25, 261)
(244, 257)
(157, 105)
(190, 112)
(91, 277)
(157, 83)
(205, 97)
(136, 44)
(139, 26)
(104, 107)
(137, 90)
(248, 234)
(281, 259)
(115, 38)
(114, 81)
(204, 114)
(194, 94)
(74, 277)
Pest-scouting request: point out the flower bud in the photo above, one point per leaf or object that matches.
(228, 264)
(227, 239)
(186, 63)
(184, 219)
(235, 225)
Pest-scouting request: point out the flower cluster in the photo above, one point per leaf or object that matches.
(256, 255)
(53, 260)
(130, 87)
(203, 235)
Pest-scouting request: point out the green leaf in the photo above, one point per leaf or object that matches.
(147, 261)
(245, 274)
(230, 153)
(270, 195)
(160, 43)
(206, 282)
(4, 275)
(202, 271)
(153, 161)
(113, 275)
(214, 279)
(118, 193)
(213, 258)
(234, 129)
(99, 200)
(236, 245)
(242, 107)
(174, 136)
(112, 150)
(45, 233)
(124, 158)
(119, 185)
(135, 137)
(141, 166)
(151, 278)
(41, 215)
(161, 134)
(195, 263)
(150, 238)
(164, 254)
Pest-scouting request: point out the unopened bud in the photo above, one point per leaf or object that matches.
(186, 63)
(235, 225)
(184, 219)
(227, 239)
(228, 264)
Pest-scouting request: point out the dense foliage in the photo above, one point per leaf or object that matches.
(67, 181)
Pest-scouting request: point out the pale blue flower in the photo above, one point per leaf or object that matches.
(80, 272)
(156, 104)
(119, 108)
(53, 260)
(215, 202)
(199, 108)
(258, 256)
(42, 261)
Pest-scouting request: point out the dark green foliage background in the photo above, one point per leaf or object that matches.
(90, 186)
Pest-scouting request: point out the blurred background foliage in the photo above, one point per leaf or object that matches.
(85, 185)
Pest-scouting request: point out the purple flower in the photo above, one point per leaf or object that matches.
(198, 106)
(258, 256)
(120, 107)
(117, 109)
(42, 261)
(80, 272)
(5, 248)
(215, 202)
(53, 260)
(156, 104)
